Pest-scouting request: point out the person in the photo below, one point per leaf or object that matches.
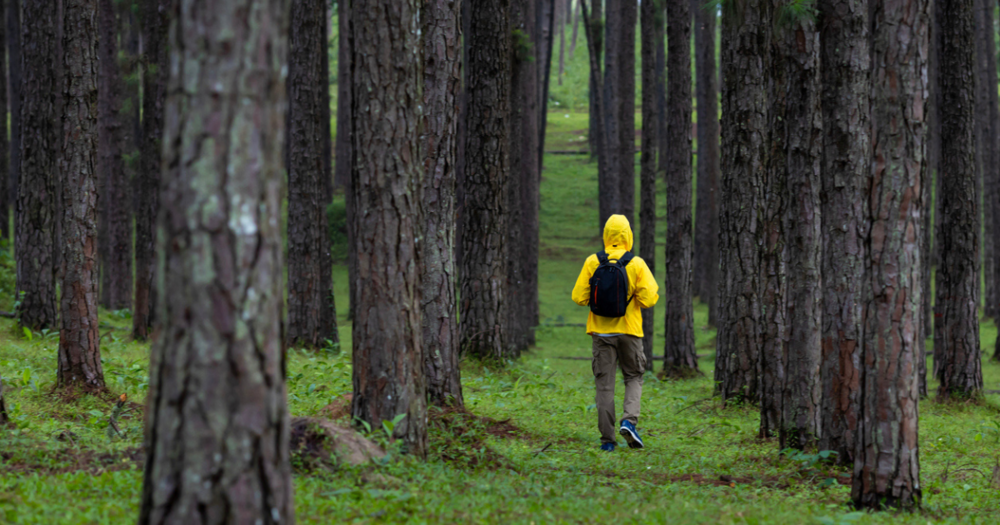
(615, 325)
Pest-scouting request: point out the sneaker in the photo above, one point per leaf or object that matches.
(631, 434)
(608, 447)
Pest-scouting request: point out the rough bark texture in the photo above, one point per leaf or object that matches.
(886, 461)
(311, 314)
(442, 84)
(217, 424)
(607, 190)
(35, 214)
(4, 146)
(647, 162)
(985, 84)
(706, 245)
(800, 419)
(15, 82)
(680, 359)
(846, 60)
(624, 103)
(154, 80)
(956, 334)
(484, 243)
(79, 352)
(387, 80)
(609, 182)
(745, 59)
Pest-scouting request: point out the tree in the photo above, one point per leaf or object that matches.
(442, 85)
(217, 424)
(116, 241)
(607, 189)
(344, 148)
(387, 84)
(35, 217)
(483, 271)
(4, 164)
(15, 80)
(619, 104)
(311, 312)
(744, 136)
(956, 336)
(680, 358)
(987, 151)
(609, 181)
(886, 464)
(845, 55)
(706, 245)
(79, 351)
(154, 84)
(561, 24)
(647, 160)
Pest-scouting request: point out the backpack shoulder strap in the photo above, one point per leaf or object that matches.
(602, 257)
(626, 258)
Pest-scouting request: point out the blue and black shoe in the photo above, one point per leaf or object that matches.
(631, 434)
(608, 447)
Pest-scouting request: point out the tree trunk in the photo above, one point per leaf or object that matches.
(931, 174)
(15, 82)
(956, 336)
(4, 145)
(344, 148)
(984, 43)
(35, 216)
(154, 88)
(311, 319)
(624, 103)
(680, 360)
(800, 419)
(647, 161)
(561, 25)
(593, 29)
(442, 85)
(609, 183)
(484, 242)
(79, 352)
(744, 136)
(661, 87)
(217, 425)
(3, 408)
(546, 76)
(846, 161)
(706, 246)
(886, 465)
(575, 15)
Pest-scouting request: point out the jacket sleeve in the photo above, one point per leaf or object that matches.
(645, 287)
(581, 292)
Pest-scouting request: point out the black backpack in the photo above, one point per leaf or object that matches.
(609, 286)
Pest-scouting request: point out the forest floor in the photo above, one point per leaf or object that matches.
(527, 452)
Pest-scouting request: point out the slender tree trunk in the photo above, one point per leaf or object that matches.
(345, 148)
(311, 320)
(609, 183)
(154, 84)
(35, 215)
(625, 105)
(79, 352)
(930, 175)
(956, 336)
(706, 245)
(845, 56)
(607, 189)
(442, 36)
(484, 222)
(546, 72)
(575, 15)
(800, 420)
(647, 161)
(680, 358)
(661, 87)
(525, 148)
(886, 464)
(985, 88)
(387, 87)
(745, 59)
(217, 424)
(15, 82)
(561, 25)
(991, 174)
(4, 146)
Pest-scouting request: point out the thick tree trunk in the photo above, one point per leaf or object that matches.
(217, 425)
(846, 163)
(311, 319)
(886, 461)
(706, 245)
(442, 84)
(678, 343)
(745, 60)
(4, 146)
(484, 223)
(387, 80)
(647, 161)
(35, 215)
(15, 82)
(800, 419)
(956, 336)
(79, 352)
(154, 81)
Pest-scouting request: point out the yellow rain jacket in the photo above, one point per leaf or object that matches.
(617, 241)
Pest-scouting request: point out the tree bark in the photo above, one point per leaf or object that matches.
(886, 464)
(623, 99)
(930, 175)
(35, 215)
(706, 245)
(15, 82)
(311, 320)
(845, 55)
(745, 60)
(609, 183)
(548, 37)
(956, 336)
(79, 352)
(985, 79)
(387, 80)
(442, 84)
(607, 190)
(154, 80)
(561, 25)
(217, 425)
(4, 145)
(680, 359)
(345, 146)
(647, 161)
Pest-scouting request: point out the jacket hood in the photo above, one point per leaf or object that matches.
(617, 234)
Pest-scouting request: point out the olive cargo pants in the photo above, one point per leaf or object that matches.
(608, 353)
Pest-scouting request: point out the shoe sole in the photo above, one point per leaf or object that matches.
(630, 438)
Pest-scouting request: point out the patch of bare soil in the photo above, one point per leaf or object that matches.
(60, 461)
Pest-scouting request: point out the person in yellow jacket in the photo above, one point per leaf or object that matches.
(617, 339)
